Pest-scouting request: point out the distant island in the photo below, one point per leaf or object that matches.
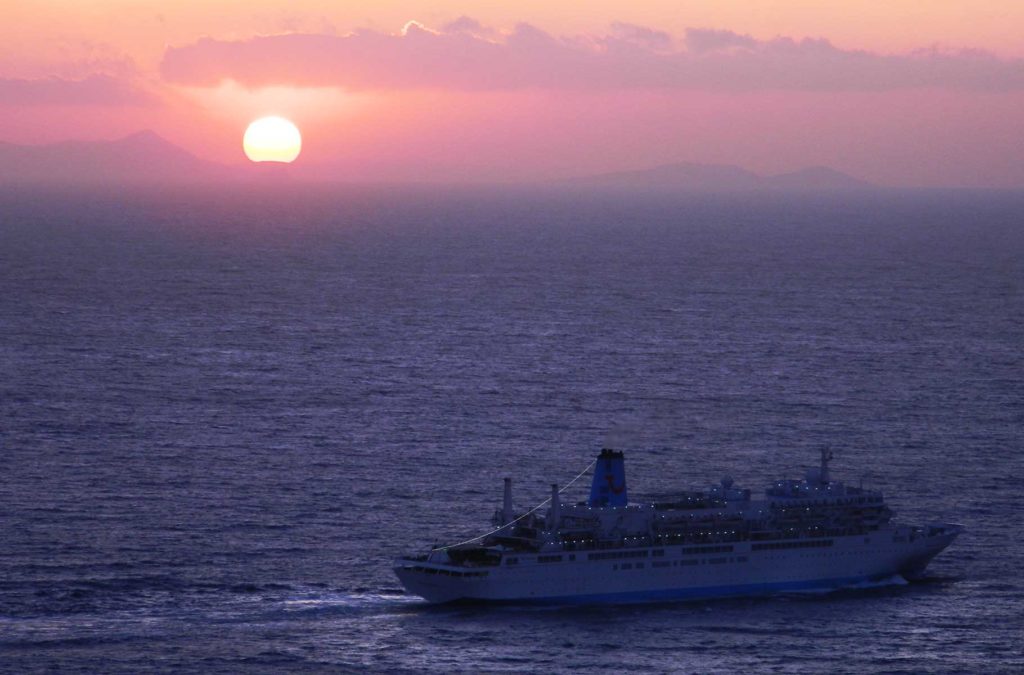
(147, 158)
(144, 157)
(687, 176)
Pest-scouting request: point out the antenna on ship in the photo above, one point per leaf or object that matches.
(826, 455)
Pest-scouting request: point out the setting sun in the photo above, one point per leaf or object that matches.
(272, 139)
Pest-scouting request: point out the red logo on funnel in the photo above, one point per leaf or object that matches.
(611, 484)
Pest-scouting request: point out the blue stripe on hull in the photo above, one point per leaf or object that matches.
(690, 593)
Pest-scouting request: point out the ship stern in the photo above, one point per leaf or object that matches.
(436, 583)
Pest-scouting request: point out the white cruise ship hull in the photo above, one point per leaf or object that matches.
(664, 573)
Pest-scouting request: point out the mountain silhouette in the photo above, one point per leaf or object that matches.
(687, 176)
(816, 178)
(144, 157)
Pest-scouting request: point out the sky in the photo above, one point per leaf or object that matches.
(903, 92)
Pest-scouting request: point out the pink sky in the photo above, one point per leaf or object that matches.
(902, 92)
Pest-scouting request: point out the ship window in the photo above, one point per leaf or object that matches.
(639, 566)
(617, 555)
(777, 545)
(741, 558)
(657, 552)
(626, 566)
(512, 561)
(717, 561)
(705, 549)
(549, 558)
(691, 561)
(663, 563)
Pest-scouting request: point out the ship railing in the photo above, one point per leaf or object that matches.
(415, 558)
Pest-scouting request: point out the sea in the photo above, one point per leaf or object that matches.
(225, 410)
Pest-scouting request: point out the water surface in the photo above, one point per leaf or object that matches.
(225, 411)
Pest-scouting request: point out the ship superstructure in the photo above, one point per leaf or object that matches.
(803, 534)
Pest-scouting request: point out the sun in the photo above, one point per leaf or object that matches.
(272, 139)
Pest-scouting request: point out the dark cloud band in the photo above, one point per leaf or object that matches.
(467, 56)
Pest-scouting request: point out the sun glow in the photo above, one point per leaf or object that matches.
(272, 139)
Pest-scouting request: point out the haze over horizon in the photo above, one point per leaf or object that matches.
(145, 158)
(892, 95)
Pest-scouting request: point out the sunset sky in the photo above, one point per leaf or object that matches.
(903, 92)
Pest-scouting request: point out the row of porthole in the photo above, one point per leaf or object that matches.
(680, 563)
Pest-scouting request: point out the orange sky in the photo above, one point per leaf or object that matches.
(593, 99)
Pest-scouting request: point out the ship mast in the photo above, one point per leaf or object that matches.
(555, 512)
(826, 455)
(506, 504)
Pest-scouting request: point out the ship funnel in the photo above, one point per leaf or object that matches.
(609, 485)
(506, 505)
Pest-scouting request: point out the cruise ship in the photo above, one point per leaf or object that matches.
(815, 533)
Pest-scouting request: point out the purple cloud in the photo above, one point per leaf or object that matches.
(648, 38)
(467, 56)
(95, 90)
(701, 40)
(469, 26)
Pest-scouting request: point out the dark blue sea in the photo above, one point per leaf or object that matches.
(223, 411)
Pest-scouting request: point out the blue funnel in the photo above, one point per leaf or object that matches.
(609, 485)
